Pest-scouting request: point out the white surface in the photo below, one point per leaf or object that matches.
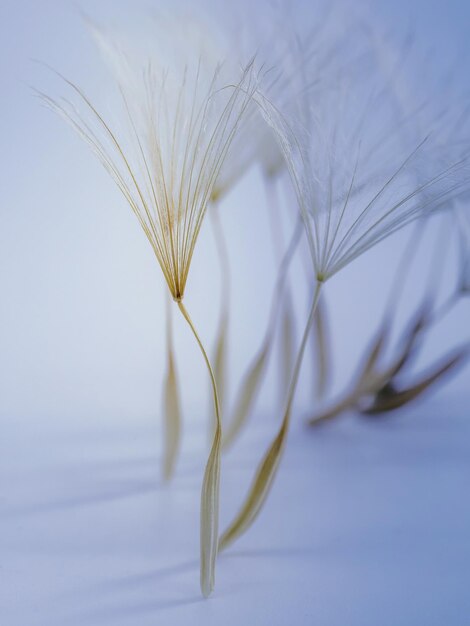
(82, 297)
(368, 524)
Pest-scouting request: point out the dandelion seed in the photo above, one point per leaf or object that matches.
(321, 45)
(165, 156)
(357, 181)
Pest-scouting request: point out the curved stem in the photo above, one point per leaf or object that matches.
(211, 483)
(286, 357)
(222, 253)
(219, 355)
(267, 469)
(300, 356)
(255, 372)
(281, 280)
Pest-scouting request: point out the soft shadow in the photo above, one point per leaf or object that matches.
(83, 486)
(105, 593)
(70, 502)
(129, 610)
(135, 580)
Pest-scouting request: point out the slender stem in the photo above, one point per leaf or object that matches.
(222, 252)
(257, 367)
(206, 359)
(211, 483)
(281, 280)
(300, 356)
(274, 207)
(219, 353)
(266, 472)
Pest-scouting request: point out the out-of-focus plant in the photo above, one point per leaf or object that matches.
(359, 176)
(190, 126)
(384, 381)
(327, 50)
(376, 387)
(253, 144)
(165, 155)
(254, 374)
(171, 38)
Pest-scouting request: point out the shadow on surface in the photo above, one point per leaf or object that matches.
(95, 483)
(105, 601)
(128, 611)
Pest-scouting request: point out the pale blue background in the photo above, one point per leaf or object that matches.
(83, 300)
(367, 525)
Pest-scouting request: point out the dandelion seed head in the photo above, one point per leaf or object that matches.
(363, 163)
(174, 128)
